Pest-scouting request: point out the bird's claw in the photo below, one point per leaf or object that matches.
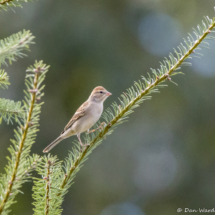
(100, 127)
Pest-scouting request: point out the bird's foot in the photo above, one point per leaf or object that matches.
(100, 127)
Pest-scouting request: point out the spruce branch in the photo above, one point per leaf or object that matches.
(4, 79)
(45, 189)
(135, 96)
(10, 110)
(30, 164)
(24, 138)
(6, 4)
(13, 46)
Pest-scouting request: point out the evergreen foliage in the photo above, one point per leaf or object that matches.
(128, 101)
(12, 47)
(25, 135)
(10, 110)
(4, 79)
(46, 188)
(6, 4)
(20, 163)
(55, 177)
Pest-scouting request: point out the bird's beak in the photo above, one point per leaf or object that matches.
(109, 94)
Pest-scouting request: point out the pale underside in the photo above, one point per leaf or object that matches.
(85, 117)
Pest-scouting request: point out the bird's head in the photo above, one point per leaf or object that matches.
(99, 94)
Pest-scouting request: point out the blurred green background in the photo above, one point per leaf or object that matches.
(164, 157)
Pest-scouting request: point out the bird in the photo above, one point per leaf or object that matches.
(84, 118)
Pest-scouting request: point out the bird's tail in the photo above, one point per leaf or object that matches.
(52, 145)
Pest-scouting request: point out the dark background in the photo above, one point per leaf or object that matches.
(164, 157)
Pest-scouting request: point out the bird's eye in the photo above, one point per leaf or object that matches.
(101, 92)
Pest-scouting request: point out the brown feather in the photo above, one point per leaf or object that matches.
(81, 110)
(79, 113)
(99, 88)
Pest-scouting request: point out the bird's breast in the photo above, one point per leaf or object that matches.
(90, 117)
(96, 111)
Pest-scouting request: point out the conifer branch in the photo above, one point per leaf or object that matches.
(12, 47)
(47, 188)
(21, 146)
(134, 96)
(4, 79)
(31, 164)
(25, 136)
(10, 110)
(6, 4)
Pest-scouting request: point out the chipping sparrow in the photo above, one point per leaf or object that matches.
(84, 118)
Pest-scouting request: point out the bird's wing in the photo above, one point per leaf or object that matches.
(78, 114)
